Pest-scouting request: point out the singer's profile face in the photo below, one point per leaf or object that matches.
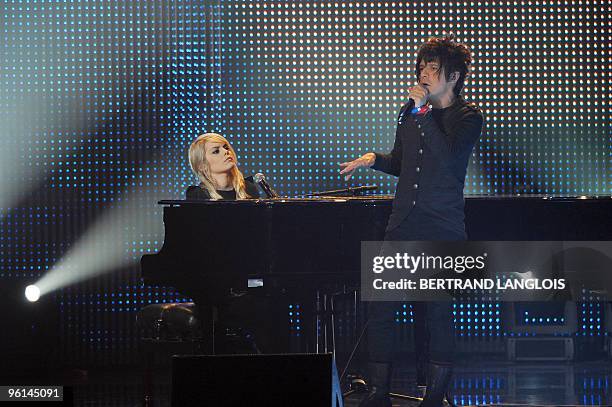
(219, 157)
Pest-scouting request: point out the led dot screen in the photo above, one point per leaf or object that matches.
(100, 100)
(304, 86)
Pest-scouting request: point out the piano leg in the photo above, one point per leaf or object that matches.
(208, 316)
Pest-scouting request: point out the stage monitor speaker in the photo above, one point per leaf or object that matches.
(255, 380)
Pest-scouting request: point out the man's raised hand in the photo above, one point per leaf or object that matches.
(366, 160)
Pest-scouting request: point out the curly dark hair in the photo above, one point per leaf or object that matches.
(450, 54)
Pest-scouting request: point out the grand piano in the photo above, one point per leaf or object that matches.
(307, 245)
(267, 239)
(288, 240)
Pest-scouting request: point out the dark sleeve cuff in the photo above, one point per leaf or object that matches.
(377, 162)
(387, 163)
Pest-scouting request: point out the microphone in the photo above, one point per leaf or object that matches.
(263, 184)
(405, 111)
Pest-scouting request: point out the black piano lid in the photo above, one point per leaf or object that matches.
(302, 236)
(386, 198)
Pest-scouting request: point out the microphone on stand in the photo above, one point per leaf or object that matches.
(263, 184)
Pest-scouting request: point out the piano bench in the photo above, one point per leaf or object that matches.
(165, 330)
(171, 321)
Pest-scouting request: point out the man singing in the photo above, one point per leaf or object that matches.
(430, 156)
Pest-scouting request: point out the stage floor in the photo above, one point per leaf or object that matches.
(483, 383)
(504, 383)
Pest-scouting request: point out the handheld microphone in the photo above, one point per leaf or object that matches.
(263, 184)
(405, 111)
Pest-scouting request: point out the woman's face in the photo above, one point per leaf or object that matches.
(219, 157)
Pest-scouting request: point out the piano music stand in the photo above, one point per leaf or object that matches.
(351, 191)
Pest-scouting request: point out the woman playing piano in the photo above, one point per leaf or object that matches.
(242, 326)
(213, 161)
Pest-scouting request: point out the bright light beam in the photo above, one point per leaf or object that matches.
(111, 243)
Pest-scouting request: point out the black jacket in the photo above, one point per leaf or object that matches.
(430, 156)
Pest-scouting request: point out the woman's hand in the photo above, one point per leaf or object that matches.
(366, 160)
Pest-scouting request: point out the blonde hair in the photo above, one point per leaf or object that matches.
(201, 168)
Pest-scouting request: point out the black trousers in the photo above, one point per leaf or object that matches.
(434, 322)
(434, 331)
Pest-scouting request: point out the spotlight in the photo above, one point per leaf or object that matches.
(32, 293)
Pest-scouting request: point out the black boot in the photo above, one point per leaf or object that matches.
(379, 384)
(421, 343)
(438, 380)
